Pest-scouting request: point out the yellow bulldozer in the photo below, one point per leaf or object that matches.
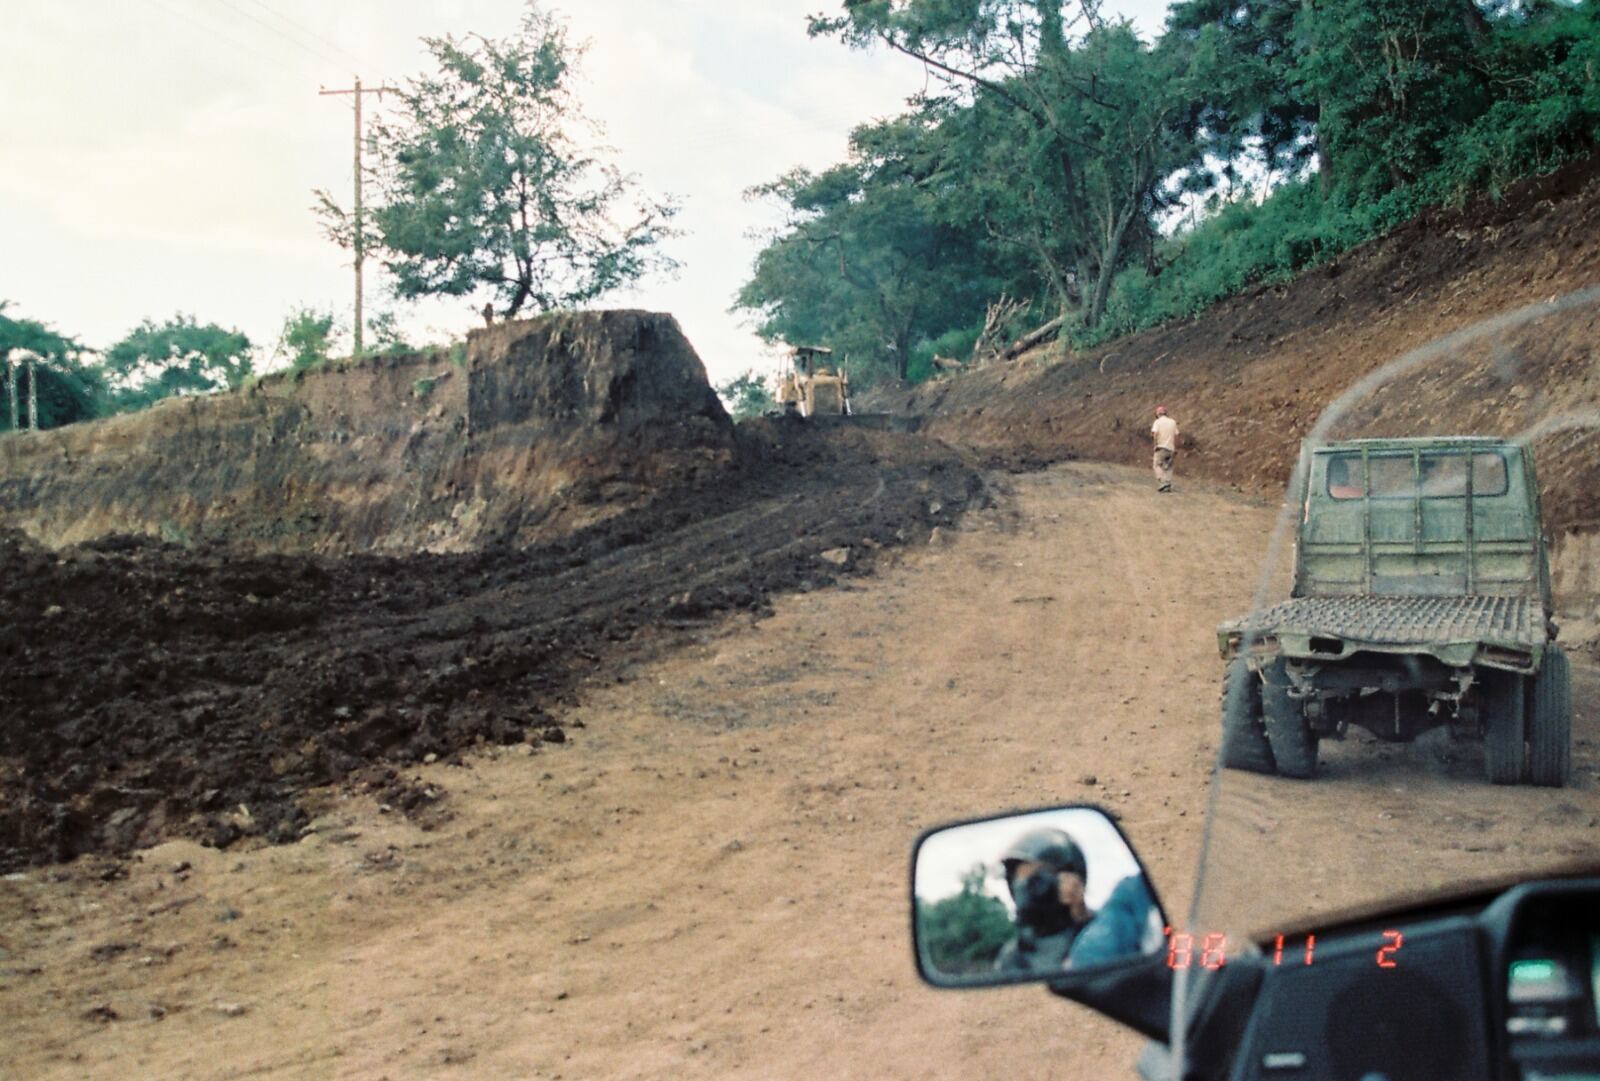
(810, 387)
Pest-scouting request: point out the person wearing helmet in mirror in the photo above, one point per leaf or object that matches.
(1046, 874)
(1165, 433)
(1127, 925)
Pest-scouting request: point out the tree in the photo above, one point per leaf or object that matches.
(1071, 126)
(1243, 54)
(306, 340)
(1061, 141)
(866, 262)
(180, 356)
(68, 389)
(1393, 81)
(963, 933)
(746, 396)
(481, 186)
(383, 331)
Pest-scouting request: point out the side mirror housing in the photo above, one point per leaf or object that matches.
(1056, 895)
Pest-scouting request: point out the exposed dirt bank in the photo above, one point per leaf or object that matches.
(153, 690)
(536, 428)
(1247, 379)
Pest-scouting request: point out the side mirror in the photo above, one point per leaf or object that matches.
(1055, 895)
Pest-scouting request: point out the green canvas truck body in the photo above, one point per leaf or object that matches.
(1421, 598)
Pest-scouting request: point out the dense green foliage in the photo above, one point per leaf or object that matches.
(1119, 183)
(180, 356)
(480, 186)
(962, 934)
(746, 396)
(306, 340)
(866, 260)
(69, 389)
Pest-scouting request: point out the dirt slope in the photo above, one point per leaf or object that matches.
(1247, 379)
(708, 878)
(154, 691)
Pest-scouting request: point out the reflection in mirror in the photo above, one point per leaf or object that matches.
(1035, 896)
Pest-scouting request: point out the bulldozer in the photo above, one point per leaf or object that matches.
(810, 387)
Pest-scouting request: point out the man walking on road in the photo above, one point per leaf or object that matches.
(1165, 432)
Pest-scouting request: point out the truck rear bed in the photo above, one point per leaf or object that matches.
(1505, 632)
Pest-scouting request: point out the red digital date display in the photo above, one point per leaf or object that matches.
(1185, 950)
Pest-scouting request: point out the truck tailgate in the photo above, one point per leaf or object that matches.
(1448, 627)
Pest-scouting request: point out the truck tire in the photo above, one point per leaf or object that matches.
(1294, 745)
(1244, 738)
(1501, 701)
(1550, 721)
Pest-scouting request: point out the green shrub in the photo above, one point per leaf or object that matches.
(956, 344)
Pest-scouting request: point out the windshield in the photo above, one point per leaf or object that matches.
(1400, 803)
(1437, 474)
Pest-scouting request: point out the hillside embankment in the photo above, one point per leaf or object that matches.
(1247, 379)
(536, 428)
(592, 503)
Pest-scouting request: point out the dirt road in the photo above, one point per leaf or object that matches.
(708, 878)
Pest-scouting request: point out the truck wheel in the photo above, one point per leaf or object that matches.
(1244, 739)
(1294, 745)
(1504, 758)
(1550, 721)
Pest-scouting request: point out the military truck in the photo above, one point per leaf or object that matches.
(1421, 599)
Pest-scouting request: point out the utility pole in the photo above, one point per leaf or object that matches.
(33, 395)
(11, 387)
(360, 240)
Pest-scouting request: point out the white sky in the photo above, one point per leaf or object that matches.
(159, 155)
(948, 855)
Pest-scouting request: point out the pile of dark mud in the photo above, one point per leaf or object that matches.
(151, 690)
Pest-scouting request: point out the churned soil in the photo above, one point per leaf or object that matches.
(709, 878)
(153, 690)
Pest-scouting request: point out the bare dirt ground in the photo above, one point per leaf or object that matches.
(708, 878)
(152, 690)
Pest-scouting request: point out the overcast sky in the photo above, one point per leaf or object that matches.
(159, 155)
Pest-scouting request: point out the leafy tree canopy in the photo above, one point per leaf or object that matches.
(746, 396)
(307, 338)
(69, 389)
(963, 933)
(483, 184)
(180, 356)
(867, 262)
(1057, 156)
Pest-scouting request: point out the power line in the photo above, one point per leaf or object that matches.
(307, 31)
(308, 50)
(214, 32)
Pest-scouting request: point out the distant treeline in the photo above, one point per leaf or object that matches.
(151, 362)
(1058, 159)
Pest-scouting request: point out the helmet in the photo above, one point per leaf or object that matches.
(1161, 410)
(1046, 845)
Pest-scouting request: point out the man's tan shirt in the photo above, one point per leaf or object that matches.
(1165, 429)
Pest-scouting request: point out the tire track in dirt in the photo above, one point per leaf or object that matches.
(709, 879)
